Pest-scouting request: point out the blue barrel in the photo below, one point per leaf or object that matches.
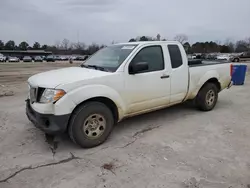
(239, 74)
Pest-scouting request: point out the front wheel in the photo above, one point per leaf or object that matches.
(91, 124)
(207, 97)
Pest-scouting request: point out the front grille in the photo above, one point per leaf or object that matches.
(39, 93)
(36, 94)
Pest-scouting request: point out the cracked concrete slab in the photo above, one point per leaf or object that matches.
(72, 157)
(176, 147)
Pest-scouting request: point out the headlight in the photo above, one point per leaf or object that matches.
(51, 95)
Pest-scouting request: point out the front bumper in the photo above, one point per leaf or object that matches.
(49, 123)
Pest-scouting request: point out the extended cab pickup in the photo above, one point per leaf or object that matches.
(120, 81)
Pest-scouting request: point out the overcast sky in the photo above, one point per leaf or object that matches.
(104, 21)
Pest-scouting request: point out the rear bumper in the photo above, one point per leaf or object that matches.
(48, 123)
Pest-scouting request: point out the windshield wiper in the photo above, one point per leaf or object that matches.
(95, 67)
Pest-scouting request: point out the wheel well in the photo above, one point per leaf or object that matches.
(214, 81)
(108, 102)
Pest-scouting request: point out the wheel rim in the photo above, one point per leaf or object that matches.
(94, 126)
(210, 97)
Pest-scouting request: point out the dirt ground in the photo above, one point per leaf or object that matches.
(176, 147)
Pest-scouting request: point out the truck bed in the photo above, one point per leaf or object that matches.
(199, 72)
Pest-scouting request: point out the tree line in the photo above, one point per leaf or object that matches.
(66, 47)
(204, 47)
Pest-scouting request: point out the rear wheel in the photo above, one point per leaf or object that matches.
(91, 124)
(207, 97)
(236, 60)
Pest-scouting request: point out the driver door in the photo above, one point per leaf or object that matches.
(148, 89)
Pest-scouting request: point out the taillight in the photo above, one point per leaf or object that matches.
(231, 70)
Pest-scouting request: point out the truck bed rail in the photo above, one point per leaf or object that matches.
(199, 62)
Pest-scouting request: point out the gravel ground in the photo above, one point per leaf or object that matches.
(174, 147)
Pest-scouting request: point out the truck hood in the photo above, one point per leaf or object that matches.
(54, 78)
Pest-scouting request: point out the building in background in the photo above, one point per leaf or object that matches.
(21, 54)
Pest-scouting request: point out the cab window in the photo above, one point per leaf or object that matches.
(175, 55)
(153, 56)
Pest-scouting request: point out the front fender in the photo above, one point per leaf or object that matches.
(84, 93)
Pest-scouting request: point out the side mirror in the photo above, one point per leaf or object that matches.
(138, 67)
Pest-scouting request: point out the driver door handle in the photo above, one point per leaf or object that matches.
(165, 76)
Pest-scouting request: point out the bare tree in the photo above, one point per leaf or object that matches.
(228, 42)
(158, 37)
(165, 39)
(92, 48)
(78, 46)
(150, 38)
(182, 38)
(218, 42)
(248, 43)
(57, 44)
(65, 44)
(114, 42)
(132, 40)
(241, 46)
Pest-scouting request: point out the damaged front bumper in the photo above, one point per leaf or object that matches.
(48, 123)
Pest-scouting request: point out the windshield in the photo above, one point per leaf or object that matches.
(110, 58)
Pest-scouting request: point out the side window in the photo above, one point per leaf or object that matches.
(175, 55)
(153, 56)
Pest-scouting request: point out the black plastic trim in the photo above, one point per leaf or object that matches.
(48, 123)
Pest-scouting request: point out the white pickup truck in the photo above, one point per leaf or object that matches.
(117, 82)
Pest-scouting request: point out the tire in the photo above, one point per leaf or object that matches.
(83, 132)
(236, 60)
(207, 97)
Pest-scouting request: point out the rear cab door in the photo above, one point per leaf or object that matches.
(179, 74)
